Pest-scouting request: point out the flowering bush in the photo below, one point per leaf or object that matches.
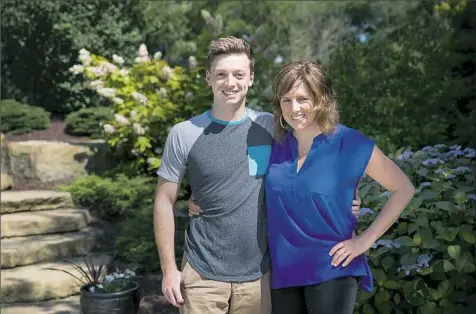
(148, 97)
(425, 262)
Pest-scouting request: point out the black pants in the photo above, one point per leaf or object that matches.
(336, 296)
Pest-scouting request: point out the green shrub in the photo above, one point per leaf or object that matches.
(112, 198)
(20, 118)
(425, 262)
(136, 242)
(88, 121)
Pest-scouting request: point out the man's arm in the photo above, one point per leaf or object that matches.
(164, 231)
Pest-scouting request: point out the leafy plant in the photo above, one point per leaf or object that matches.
(116, 197)
(425, 262)
(88, 121)
(137, 247)
(20, 118)
(147, 99)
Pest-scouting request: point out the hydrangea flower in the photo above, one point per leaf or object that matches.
(405, 156)
(469, 153)
(433, 161)
(365, 211)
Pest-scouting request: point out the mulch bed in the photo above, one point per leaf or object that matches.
(54, 133)
(153, 302)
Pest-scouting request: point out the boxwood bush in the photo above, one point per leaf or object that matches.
(425, 262)
(18, 118)
(88, 121)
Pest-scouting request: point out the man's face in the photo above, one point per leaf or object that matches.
(229, 77)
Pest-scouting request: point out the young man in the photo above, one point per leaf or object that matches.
(225, 152)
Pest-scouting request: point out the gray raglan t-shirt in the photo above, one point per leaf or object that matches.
(225, 164)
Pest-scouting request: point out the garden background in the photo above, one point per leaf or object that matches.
(126, 71)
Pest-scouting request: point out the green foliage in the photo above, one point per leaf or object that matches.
(88, 121)
(20, 118)
(147, 98)
(43, 39)
(136, 246)
(425, 262)
(112, 198)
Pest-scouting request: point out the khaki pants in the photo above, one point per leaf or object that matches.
(204, 296)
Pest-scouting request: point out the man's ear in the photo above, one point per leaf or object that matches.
(252, 78)
(207, 78)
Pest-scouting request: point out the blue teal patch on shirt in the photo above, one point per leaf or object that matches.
(258, 159)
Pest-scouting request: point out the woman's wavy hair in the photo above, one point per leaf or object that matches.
(313, 75)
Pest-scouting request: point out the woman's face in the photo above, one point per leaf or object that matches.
(297, 106)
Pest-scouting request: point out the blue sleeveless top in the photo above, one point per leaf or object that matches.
(310, 211)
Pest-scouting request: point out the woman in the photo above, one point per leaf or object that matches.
(315, 167)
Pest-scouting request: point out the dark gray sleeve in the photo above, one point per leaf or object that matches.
(174, 158)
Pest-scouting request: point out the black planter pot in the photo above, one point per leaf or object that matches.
(124, 302)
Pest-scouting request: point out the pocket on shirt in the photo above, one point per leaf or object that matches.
(258, 159)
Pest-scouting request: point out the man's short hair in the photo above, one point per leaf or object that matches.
(229, 45)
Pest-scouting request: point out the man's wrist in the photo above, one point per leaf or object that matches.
(169, 267)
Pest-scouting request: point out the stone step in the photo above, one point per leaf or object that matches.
(38, 283)
(16, 201)
(44, 222)
(69, 305)
(41, 248)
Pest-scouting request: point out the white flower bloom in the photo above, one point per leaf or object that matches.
(440, 146)
(450, 176)
(124, 72)
(150, 160)
(117, 59)
(121, 119)
(132, 114)
(188, 95)
(471, 197)
(140, 97)
(109, 278)
(109, 129)
(108, 67)
(439, 171)
(138, 129)
(425, 184)
(167, 72)
(107, 92)
(455, 147)
(158, 150)
(118, 100)
(192, 62)
(76, 69)
(96, 84)
(85, 59)
(97, 71)
(92, 289)
(162, 92)
(100, 286)
(158, 55)
(84, 51)
(386, 194)
(427, 149)
(142, 51)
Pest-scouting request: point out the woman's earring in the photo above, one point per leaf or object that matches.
(281, 121)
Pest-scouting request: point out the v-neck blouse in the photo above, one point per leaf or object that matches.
(309, 211)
